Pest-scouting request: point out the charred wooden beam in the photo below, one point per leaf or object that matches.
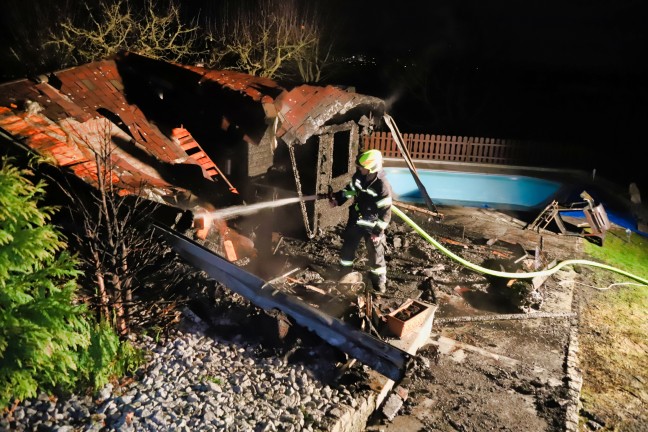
(380, 356)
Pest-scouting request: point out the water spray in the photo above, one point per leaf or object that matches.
(243, 210)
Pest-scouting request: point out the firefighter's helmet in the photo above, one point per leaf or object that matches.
(371, 160)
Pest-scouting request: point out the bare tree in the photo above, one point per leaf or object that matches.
(24, 27)
(312, 61)
(267, 38)
(117, 245)
(102, 31)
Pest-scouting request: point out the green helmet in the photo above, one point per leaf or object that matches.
(370, 160)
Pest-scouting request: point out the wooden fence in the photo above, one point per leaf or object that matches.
(475, 150)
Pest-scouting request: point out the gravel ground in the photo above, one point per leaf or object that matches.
(196, 382)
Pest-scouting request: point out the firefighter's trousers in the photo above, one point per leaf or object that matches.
(353, 234)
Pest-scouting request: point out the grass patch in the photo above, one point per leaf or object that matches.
(627, 252)
(613, 335)
(214, 379)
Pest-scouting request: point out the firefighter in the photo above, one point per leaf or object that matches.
(369, 215)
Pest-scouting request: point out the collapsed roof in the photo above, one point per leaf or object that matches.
(168, 129)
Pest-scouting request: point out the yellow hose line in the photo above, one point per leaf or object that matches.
(509, 275)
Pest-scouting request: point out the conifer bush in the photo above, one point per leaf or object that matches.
(48, 340)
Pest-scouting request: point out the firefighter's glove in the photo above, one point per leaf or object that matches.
(376, 238)
(327, 196)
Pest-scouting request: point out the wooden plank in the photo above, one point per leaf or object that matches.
(417, 147)
(432, 147)
(419, 209)
(428, 145)
(461, 150)
(423, 145)
(410, 144)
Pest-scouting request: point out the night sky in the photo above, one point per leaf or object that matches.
(563, 71)
(575, 35)
(586, 36)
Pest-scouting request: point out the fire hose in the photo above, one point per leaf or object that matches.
(510, 275)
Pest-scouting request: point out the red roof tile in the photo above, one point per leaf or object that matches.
(305, 109)
(58, 123)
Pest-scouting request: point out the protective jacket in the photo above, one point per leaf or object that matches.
(372, 195)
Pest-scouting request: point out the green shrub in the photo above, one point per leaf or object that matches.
(107, 358)
(47, 339)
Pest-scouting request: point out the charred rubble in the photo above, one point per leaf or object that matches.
(195, 140)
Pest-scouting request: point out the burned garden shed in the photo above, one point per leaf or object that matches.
(190, 137)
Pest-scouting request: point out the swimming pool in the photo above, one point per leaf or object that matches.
(498, 191)
(516, 192)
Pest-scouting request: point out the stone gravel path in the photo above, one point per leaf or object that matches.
(194, 382)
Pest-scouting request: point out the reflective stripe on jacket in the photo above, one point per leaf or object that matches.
(372, 197)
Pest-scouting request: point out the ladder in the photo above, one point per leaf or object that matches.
(550, 213)
(193, 149)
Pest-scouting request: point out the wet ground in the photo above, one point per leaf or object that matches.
(490, 364)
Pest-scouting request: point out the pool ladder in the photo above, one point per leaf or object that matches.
(545, 217)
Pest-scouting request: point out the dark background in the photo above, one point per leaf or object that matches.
(561, 72)
(564, 73)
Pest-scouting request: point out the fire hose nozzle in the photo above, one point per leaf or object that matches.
(328, 195)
